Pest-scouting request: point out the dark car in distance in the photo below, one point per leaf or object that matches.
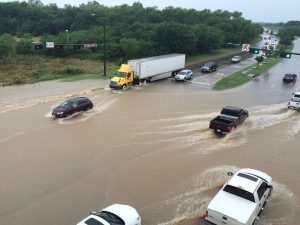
(289, 77)
(209, 67)
(71, 106)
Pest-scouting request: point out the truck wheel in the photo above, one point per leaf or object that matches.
(124, 87)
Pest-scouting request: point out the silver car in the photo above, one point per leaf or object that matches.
(236, 59)
(184, 75)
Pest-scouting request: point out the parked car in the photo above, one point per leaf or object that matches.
(184, 75)
(236, 59)
(116, 214)
(241, 199)
(229, 119)
(209, 67)
(72, 106)
(294, 103)
(289, 77)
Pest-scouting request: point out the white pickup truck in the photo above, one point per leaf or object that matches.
(241, 199)
(294, 103)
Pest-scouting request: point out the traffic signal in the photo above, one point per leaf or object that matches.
(77, 46)
(38, 47)
(287, 55)
(254, 50)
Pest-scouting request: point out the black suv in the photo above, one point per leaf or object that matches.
(72, 106)
(209, 67)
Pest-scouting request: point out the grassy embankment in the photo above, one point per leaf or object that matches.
(243, 76)
(34, 68)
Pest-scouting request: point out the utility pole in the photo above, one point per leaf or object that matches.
(67, 36)
(104, 47)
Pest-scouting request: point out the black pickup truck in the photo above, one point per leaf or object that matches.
(229, 119)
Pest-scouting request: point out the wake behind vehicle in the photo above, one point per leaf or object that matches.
(289, 77)
(184, 75)
(241, 199)
(228, 120)
(294, 103)
(138, 71)
(116, 214)
(209, 67)
(71, 106)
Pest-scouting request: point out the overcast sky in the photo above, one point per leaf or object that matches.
(255, 10)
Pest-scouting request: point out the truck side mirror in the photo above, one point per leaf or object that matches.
(93, 212)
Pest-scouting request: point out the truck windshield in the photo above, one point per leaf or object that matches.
(239, 192)
(120, 74)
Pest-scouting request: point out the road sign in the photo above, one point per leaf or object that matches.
(92, 45)
(245, 47)
(49, 44)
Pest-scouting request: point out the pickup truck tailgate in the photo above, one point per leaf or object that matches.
(226, 208)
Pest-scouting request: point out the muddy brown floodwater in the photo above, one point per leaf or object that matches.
(149, 147)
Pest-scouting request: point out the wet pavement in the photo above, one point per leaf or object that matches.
(149, 147)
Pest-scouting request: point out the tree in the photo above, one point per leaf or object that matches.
(24, 46)
(7, 45)
(130, 48)
(259, 59)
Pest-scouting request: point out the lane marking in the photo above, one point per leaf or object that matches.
(198, 82)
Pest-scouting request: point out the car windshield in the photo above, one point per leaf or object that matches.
(239, 192)
(296, 99)
(110, 218)
(182, 73)
(65, 104)
(208, 64)
(289, 75)
(120, 74)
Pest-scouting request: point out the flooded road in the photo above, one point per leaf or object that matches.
(149, 147)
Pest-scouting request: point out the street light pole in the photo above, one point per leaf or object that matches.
(104, 47)
(67, 36)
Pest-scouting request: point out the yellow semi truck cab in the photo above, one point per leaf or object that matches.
(123, 78)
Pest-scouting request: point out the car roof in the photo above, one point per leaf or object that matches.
(289, 74)
(209, 63)
(232, 108)
(76, 99)
(236, 56)
(244, 181)
(185, 70)
(249, 179)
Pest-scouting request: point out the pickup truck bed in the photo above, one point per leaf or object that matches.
(229, 119)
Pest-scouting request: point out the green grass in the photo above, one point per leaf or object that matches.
(213, 54)
(92, 76)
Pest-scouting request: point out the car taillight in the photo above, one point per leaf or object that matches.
(228, 129)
